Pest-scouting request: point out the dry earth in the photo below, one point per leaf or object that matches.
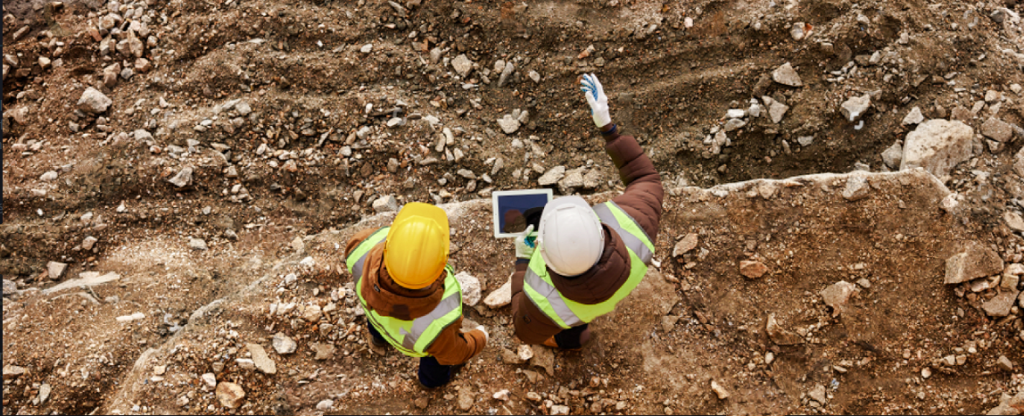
(298, 134)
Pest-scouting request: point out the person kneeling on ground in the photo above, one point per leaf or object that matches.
(409, 292)
(587, 258)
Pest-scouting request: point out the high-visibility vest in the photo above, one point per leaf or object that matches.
(411, 337)
(568, 313)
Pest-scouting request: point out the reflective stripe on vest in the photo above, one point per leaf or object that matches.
(413, 337)
(355, 261)
(627, 228)
(567, 313)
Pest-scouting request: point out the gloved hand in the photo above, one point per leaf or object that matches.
(525, 243)
(484, 330)
(594, 92)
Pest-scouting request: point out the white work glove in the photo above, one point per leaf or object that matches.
(594, 92)
(484, 330)
(524, 244)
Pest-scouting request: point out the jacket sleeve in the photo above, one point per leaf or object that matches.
(644, 192)
(356, 239)
(454, 347)
(532, 326)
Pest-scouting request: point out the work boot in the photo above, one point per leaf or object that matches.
(585, 338)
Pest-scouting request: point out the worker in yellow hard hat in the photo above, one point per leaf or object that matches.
(409, 292)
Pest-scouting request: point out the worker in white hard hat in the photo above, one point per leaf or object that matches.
(584, 259)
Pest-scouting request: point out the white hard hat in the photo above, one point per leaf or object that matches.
(570, 238)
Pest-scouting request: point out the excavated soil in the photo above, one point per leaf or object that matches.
(284, 120)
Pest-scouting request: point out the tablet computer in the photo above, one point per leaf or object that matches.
(514, 210)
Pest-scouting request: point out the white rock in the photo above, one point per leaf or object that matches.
(386, 203)
(552, 176)
(786, 75)
(720, 391)
(534, 76)
(210, 379)
(471, 292)
(501, 395)
(524, 352)
(197, 244)
(283, 344)
(508, 124)
(857, 188)
(261, 360)
(837, 295)
(367, 48)
(937, 146)
(893, 155)
(797, 31)
(855, 107)
(49, 176)
(914, 117)
(129, 318)
(93, 101)
(325, 405)
(462, 65)
(56, 269)
(776, 110)
(89, 242)
(735, 113)
(183, 178)
(500, 297)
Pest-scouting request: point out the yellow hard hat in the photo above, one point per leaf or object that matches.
(416, 250)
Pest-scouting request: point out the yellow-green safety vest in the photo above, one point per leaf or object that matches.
(567, 313)
(413, 337)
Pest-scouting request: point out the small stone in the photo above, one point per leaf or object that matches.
(818, 394)
(552, 176)
(283, 344)
(462, 65)
(130, 318)
(857, 188)
(685, 245)
(197, 244)
(501, 395)
(752, 269)
(312, 313)
(734, 124)
(864, 283)
(44, 393)
(533, 397)
(1004, 364)
(49, 176)
(974, 262)
(525, 353)
(937, 145)
(1000, 305)
(182, 179)
(386, 203)
(421, 403)
(543, 358)
(93, 101)
(466, 399)
(914, 117)
(396, 122)
(534, 76)
(506, 72)
(769, 358)
(720, 391)
(1013, 220)
(776, 110)
(805, 140)
(143, 65)
(325, 405)
(926, 372)
(997, 129)
(508, 124)
(668, 322)
(367, 48)
(837, 295)
(89, 242)
(559, 410)
(780, 335)
(786, 75)
(56, 269)
(471, 291)
(500, 297)
(855, 107)
(230, 395)
(210, 379)
(797, 31)
(893, 155)
(261, 360)
(13, 371)
(324, 351)
(245, 363)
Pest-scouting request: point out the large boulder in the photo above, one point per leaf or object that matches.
(937, 146)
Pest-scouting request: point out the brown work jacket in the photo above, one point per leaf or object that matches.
(641, 200)
(452, 346)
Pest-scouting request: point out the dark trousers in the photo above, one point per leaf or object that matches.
(432, 373)
(570, 338)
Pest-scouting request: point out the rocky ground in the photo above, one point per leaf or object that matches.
(180, 177)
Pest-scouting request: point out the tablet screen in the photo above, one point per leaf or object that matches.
(514, 210)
